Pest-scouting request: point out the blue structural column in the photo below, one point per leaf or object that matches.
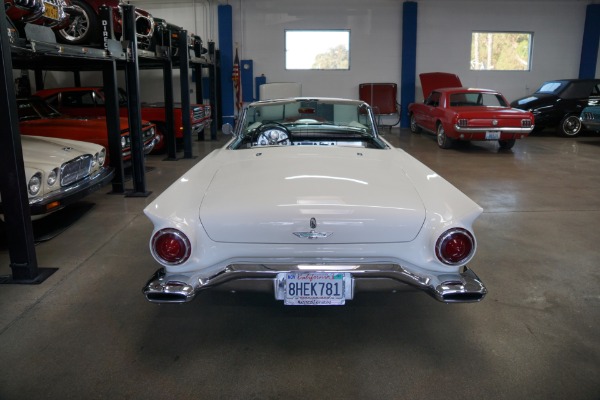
(590, 42)
(409, 59)
(225, 17)
(247, 75)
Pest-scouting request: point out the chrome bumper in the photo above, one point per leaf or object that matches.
(460, 287)
(493, 128)
(70, 194)
(148, 147)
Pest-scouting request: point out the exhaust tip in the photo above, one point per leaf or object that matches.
(467, 289)
(463, 297)
(166, 298)
(160, 290)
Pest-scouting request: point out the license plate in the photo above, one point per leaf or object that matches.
(315, 288)
(51, 11)
(492, 135)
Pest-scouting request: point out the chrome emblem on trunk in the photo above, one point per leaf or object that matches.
(495, 122)
(312, 234)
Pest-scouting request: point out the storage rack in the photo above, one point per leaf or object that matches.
(40, 53)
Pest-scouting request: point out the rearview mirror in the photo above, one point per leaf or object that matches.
(227, 129)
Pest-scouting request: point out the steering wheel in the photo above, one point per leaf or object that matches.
(272, 134)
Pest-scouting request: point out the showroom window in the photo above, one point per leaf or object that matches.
(501, 51)
(317, 49)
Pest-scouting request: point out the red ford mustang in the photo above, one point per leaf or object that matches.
(39, 119)
(453, 112)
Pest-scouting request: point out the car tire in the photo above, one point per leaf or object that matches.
(506, 144)
(84, 29)
(442, 139)
(570, 126)
(414, 128)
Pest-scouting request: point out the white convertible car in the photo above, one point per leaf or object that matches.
(308, 202)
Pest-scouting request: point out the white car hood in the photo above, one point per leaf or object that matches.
(38, 151)
(271, 196)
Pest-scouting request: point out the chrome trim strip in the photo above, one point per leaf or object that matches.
(493, 128)
(102, 174)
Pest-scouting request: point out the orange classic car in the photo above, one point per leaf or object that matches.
(89, 102)
(37, 118)
(453, 112)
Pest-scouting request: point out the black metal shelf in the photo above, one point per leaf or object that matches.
(40, 53)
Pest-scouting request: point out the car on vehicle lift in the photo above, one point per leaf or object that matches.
(89, 102)
(38, 118)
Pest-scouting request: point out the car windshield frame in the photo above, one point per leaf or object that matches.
(35, 108)
(551, 87)
(305, 121)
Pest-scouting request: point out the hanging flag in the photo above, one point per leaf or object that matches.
(235, 77)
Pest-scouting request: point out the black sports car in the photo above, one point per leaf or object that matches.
(560, 102)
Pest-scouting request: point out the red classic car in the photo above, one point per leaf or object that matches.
(85, 28)
(89, 102)
(51, 13)
(37, 118)
(453, 112)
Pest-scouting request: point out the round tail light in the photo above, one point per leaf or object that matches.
(455, 246)
(171, 246)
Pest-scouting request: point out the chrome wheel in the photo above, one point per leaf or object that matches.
(443, 141)
(414, 128)
(83, 27)
(570, 126)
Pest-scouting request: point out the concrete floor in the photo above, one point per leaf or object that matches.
(87, 332)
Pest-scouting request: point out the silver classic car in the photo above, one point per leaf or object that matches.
(308, 202)
(61, 171)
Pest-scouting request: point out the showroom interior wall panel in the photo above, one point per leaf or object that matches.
(443, 39)
(375, 31)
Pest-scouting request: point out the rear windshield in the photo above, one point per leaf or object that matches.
(477, 99)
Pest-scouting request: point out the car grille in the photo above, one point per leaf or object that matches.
(587, 116)
(197, 113)
(526, 123)
(75, 169)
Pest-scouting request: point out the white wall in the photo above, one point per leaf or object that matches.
(443, 39)
(375, 34)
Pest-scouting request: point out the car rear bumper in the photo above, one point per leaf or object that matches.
(460, 287)
(482, 130)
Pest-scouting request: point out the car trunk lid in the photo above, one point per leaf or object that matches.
(431, 81)
(340, 195)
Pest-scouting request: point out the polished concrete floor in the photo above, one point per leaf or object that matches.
(88, 333)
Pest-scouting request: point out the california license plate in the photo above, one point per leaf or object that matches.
(315, 288)
(50, 11)
(492, 135)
